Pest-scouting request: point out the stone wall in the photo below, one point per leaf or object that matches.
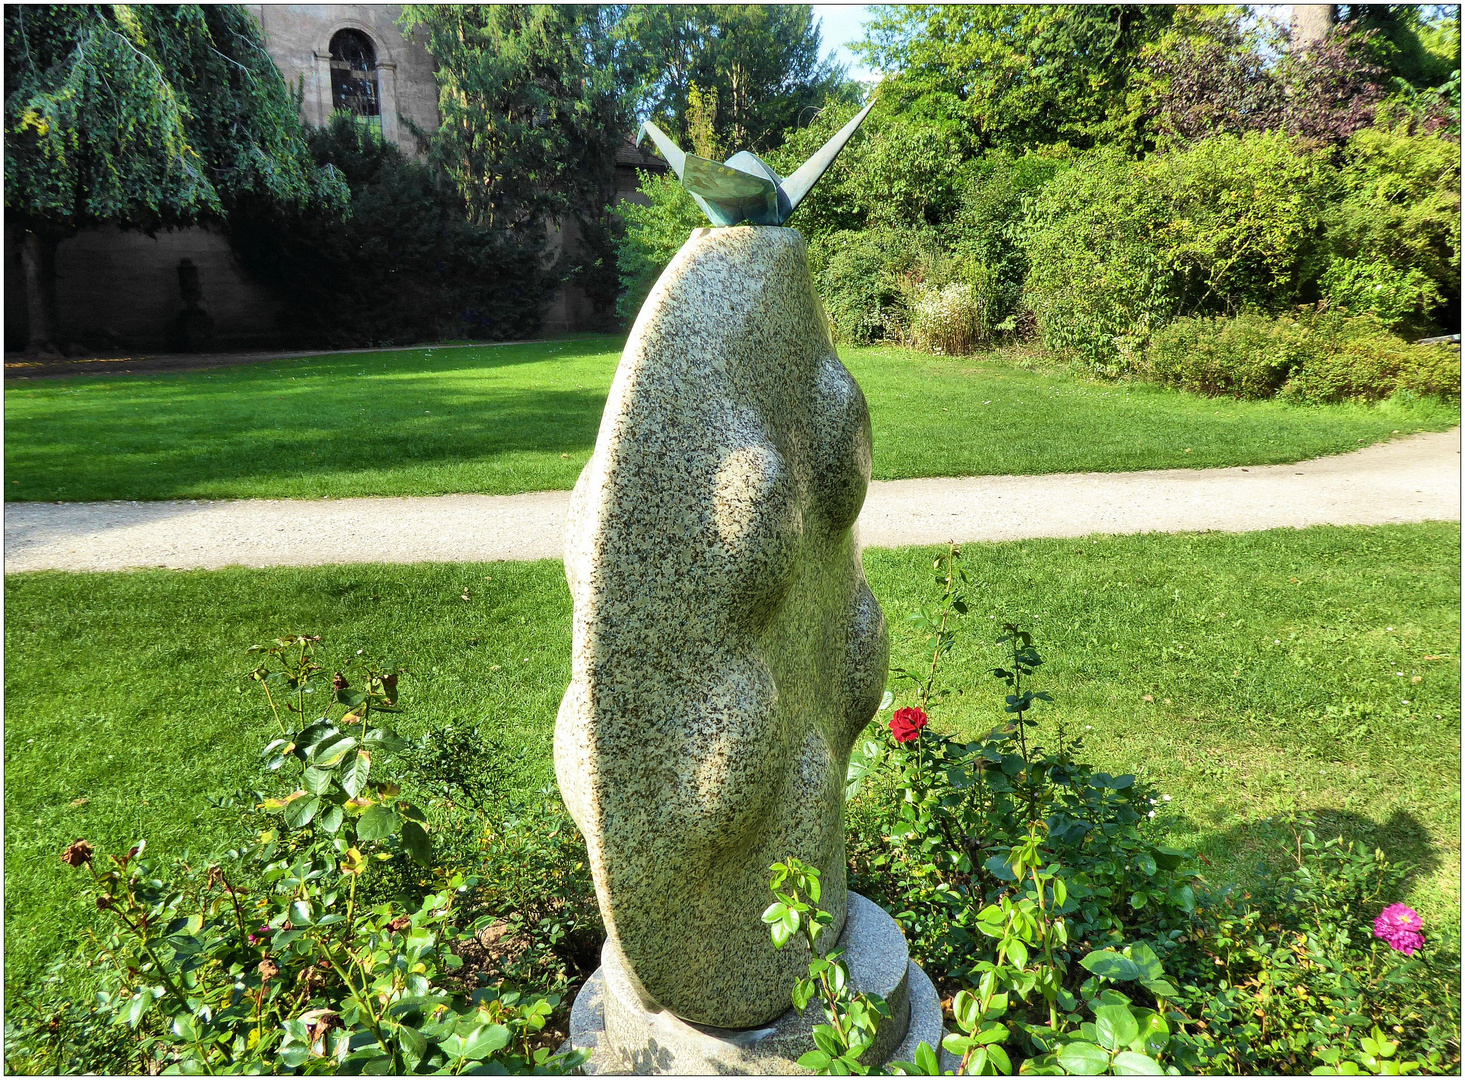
(298, 37)
(118, 290)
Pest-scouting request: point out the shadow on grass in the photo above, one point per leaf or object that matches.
(1264, 849)
(437, 359)
(312, 431)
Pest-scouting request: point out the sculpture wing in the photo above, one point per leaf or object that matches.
(714, 180)
(807, 175)
(675, 156)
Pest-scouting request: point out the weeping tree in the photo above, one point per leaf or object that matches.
(144, 117)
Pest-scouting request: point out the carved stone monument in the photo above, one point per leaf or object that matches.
(727, 652)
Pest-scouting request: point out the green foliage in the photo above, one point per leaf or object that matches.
(853, 1018)
(1310, 356)
(530, 112)
(901, 170)
(534, 883)
(1012, 923)
(1359, 359)
(654, 233)
(1249, 356)
(1417, 44)
(1392, 295)
(406, 265)
(1017, 76)
(747, 72)
(335, 801)
(865, 278)
(990, 229)
(533, 108)
(149, 116)
(960, 812)
(1398, 223)
(272, 957)
(1121, 247)
(1294, 978)
(144, 117)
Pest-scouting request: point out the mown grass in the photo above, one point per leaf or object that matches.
(1250, 675)
(505, 419)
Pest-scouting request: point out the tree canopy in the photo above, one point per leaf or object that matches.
(531, 110)
(1019, 76)
(733, 76)
(145, 117)
(148, 116)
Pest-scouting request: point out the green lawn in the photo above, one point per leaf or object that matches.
(516, 418)
(1281, 668)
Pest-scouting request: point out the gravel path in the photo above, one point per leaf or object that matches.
(1413, 479)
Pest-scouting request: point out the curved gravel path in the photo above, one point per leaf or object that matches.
(1413, 479)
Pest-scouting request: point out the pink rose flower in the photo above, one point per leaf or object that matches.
(1401, 927)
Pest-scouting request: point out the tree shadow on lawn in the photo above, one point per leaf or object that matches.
(1261, 849)
(163, 456)
(437, 359)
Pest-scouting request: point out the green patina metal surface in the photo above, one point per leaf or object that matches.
(744, 190)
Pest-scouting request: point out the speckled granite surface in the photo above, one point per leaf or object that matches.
(726, 648)
(627, 1037)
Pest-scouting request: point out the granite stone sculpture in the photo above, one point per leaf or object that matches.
(727, 652)
(727, 649)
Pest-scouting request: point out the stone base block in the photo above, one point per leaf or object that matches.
(631, 1036)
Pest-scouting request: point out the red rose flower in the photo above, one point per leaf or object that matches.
(906, 724)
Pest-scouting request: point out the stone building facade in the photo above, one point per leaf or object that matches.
(316, 45)
(119, 290)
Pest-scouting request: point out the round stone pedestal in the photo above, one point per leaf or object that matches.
(628, 1035)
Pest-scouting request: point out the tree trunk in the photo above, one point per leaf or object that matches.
(38, 258)
(1311, 23)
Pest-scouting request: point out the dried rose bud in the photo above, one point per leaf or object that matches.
(267, 969)
(104, 903)
(318, 1022)
(77, 854)
(339, 682)
(400, 923)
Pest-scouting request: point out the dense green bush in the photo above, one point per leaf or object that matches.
(902, 170)
(990, 228)
(1358, 359)
(866, 278)
(1308, 356)
(1394, 235)
(1249, 356)
(1118, 248)
(405, 266)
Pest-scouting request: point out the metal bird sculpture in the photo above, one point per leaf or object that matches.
(745, 189)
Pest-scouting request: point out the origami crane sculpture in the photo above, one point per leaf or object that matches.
(745, 188)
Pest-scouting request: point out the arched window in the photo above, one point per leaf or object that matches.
(353, 76)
